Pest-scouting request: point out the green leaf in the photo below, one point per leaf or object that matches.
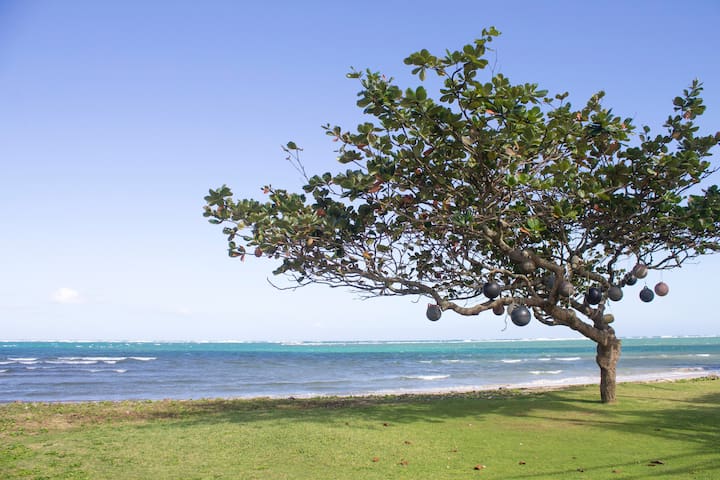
(420, 93)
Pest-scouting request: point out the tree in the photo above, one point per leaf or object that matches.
(494, 196)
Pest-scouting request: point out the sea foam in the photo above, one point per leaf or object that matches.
(425, 377)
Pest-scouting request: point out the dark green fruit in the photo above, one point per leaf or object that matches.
(646, 295)
(491, 290)
(593, 296)
(520, 316)
(433, 312)
(615, 293)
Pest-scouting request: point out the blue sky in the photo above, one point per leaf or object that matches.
(117, 116)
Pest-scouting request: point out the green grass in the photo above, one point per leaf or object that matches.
(656, 430)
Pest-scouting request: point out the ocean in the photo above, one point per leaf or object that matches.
(80, 371)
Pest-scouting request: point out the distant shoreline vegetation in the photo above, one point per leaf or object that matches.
(306, 342)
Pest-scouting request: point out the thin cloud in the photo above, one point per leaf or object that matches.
(66, 296)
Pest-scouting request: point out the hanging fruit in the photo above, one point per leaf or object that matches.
(593, 296)
(640, 270)
(528, 266)
(499, 309)
(566, 289)
(520, 316)
(491, 290)
(518, 256)
(630, 279)
(433, 312)
(615, 293)
(608, 318)
(662, 289)
(646, 295)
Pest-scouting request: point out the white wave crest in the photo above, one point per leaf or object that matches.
(143, 359)
(511, 360)
(426, 377)
(71, 362)
(546, 372)
(567, 359)
(22, 359)
(120, 370)
(95, 359)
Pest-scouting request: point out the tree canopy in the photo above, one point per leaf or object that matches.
(490, 185)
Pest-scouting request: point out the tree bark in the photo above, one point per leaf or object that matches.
(608, 354)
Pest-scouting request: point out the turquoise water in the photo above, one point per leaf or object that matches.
(73, 371)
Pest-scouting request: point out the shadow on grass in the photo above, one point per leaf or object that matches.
(693, 419)
(652, 470)
(687, 412)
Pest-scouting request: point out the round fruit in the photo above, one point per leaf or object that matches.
(528, 266)
(630, 279)
(646, 295)
(518, 256)
(520, 316)
(608, 318)
(593, 296)
(491, 290)
(566, 289)
(498, 309)
(258, 252)
(433, 312)
(662, 289)
(615, 293)
(640, 270)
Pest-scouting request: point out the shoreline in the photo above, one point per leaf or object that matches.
(538, 386)
(490, 391)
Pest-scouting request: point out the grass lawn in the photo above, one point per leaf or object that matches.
(656, 430)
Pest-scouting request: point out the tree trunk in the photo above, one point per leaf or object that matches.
(607, 357)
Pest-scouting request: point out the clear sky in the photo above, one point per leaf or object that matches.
(117, 116)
